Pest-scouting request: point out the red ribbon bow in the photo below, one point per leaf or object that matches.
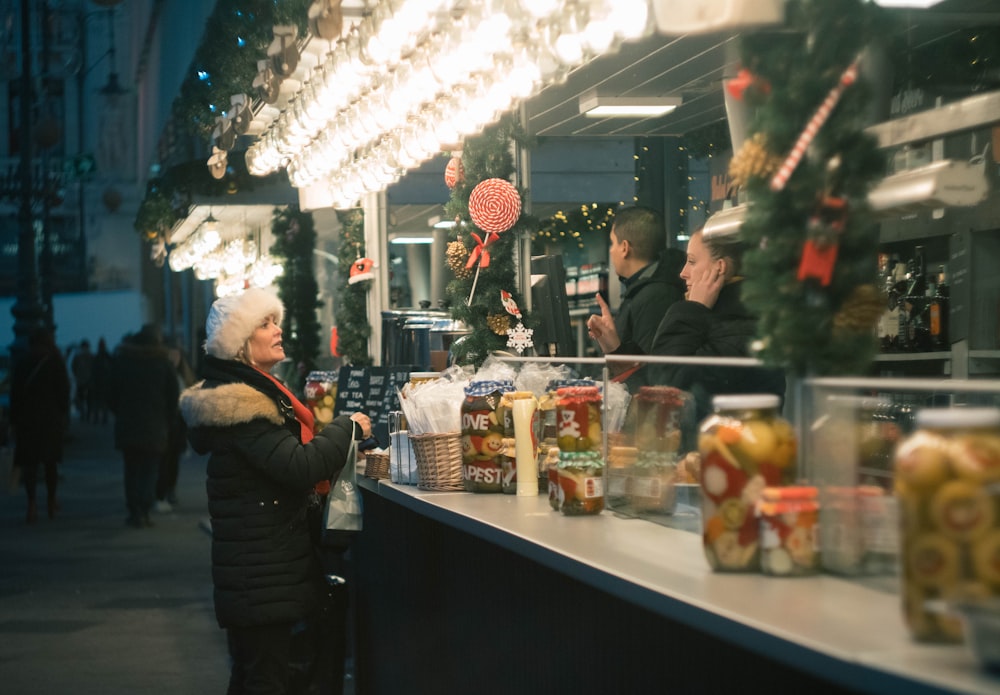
(481, 253)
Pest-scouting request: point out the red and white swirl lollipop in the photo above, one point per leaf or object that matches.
(494, 205)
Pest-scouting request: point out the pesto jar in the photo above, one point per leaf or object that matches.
(745, 446)
(483, 435)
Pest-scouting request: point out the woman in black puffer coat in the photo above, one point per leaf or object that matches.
(265, 459)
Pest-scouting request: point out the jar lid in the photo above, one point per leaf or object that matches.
(482, 388)
(424, 375)
(958, 417)
(579, 391)
(746, 401)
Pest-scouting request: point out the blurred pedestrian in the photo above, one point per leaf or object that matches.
(39, 414)
(100, 383)
(143, 398)
(166, 481)
(82, 366)
(265, 459)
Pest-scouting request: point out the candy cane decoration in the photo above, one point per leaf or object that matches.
(815, 123)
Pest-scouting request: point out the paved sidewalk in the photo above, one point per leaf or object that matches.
(89, 605)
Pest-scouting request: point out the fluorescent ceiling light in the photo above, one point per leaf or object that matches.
(919, 4)
(591, 104)
(411, 240)
(437, 223)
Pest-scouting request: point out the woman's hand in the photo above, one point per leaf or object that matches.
(706, 287)
(365, 423)
(602, 328)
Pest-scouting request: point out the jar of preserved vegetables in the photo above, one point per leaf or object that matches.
(789, 538)
(657, 416)
(321, 394)
(580, 437)
(483, 435)
(946, 479)
(745, 446)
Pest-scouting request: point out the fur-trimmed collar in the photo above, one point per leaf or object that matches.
(226, 405)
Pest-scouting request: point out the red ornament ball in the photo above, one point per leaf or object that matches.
(494, 205)
(454, 173)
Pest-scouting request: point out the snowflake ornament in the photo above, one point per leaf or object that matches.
(519, 338)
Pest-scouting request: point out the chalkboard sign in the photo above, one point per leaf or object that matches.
(373, 391)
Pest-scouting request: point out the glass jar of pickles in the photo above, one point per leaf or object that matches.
(789, 539)
(483, 435)
(321, 394)
(745, 446)
(656, 419)
(580, 437)
(946, 480)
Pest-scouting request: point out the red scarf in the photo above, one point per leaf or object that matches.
(307, 423)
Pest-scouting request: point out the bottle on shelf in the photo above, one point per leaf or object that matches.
(914, 302)
(938, 313)
(888, 325)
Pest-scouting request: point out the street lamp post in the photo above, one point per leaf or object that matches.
(27, 310)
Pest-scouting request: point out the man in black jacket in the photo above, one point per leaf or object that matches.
(650, 282)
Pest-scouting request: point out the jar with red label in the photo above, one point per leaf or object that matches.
(745, 446)
(321, 394)
(580, 437)
(548, 446)
(789, 534)
(483, 435)
(947, 474)
(656, 422)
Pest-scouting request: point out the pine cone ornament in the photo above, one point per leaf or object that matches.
(754, 160)
(456, 255)
(861, 311)
(498, 323)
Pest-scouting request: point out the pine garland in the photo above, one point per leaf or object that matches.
(353, 328)
(485, 156)
(294, 241)
(795, 69)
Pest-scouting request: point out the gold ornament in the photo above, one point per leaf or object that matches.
(754, 160)
(456, 256)
(861, 311)
(498, 323)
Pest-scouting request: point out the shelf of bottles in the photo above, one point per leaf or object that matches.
(915, 323)
(584, 282)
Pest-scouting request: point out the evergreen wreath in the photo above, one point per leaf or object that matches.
(294, 241)
(824, 201)
(353, 328)
(485, 156)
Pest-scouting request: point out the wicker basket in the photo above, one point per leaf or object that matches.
(439, 460)
(377, 465)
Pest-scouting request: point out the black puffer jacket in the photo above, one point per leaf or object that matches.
(644, 302)
(691, 329)
(260, 477)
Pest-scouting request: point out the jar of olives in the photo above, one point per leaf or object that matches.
(745, 446)
(947, 475)
(580, 437)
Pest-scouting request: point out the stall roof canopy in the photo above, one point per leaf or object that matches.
(693, 67)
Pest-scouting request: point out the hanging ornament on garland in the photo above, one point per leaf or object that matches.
(454, 172)
(498, 323)
(456, 255)
(519, 337)
(754, 160)
(819, 253)
(494, 205)
(849, 76)
(860, 312)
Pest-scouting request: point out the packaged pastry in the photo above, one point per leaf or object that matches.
(745, 446)
(947, 478)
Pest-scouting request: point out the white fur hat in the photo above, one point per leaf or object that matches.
(233, 319)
